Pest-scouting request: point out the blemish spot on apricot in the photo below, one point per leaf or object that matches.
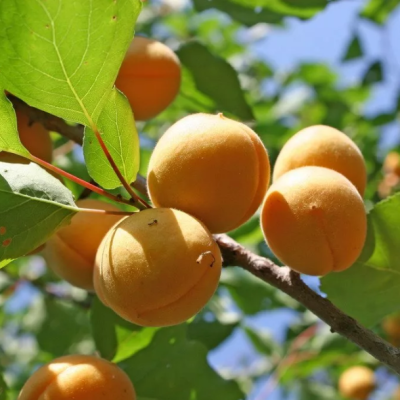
(6, 242)
(206, 255)
(154, 222)
(3, 230)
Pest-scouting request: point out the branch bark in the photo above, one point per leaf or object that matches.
(282, 278)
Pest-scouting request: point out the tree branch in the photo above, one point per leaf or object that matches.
(290, 283)
(282, 278)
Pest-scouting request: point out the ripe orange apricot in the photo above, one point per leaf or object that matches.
(314, 220)
(34, 137)
(158, 267)
(71, 252)
(391, 326)
(392, 163)
(323, 146)
(150, 77)
(357, 383)
(78, 377)
(211, 167)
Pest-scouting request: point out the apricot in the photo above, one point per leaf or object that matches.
(158, 267)
(34, 137)
(323, 146)
(391, 326)
(78, 377)
(211, 167)
(392, 163)
(357, 383)
(71, 252)
(150, 77)
(314, 220)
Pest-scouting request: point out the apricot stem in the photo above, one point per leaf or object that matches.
(105, 212)
(142, 204)
(79, 181)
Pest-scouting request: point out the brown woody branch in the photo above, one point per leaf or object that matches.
(282, 278)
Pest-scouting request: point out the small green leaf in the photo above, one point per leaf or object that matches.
(267, 11)
(379, 10)
(118, 131)
(373, 74)
(375, 278)
(63, 56)
(33, 205)
(115, 338)
(174, 368)
(262, 341)
(9, 138)
(3, 387)
(220, 83)
(354, 50)
(240, 12)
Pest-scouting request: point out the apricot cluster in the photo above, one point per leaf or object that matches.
(391, 175)
(78, 377)
(357, 383)
(313, 216)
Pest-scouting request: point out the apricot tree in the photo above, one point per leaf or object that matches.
(129, 279)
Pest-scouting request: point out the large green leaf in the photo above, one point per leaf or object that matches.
(64, 327)
(33, 205)
(9, 139)
(216, 78)
(117, 128)
(379, 10)
(63, 56)
(369, 290)
(115, 338)
(174, 368)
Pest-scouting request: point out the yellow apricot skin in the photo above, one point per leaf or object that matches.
(158, 267)
(314, 220)
(70, 253)
(34, 137)
(211, 167)
(357, 383)
(78, 377)
(150, 77)
(323, 146)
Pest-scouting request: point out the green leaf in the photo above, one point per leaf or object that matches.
(33, 205)
(354, 50)
(215, 78)
(263, 296)
(64, 327)
(268, 11)
(118, 131)
(174, 368)
(379, 10)
(373, 74)
(210, 333)
(369, 290)
(241, 13)
(294, 8)
(263, 341)
(63, 56)
(115, 338)
(9, 138)
(3, 387)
